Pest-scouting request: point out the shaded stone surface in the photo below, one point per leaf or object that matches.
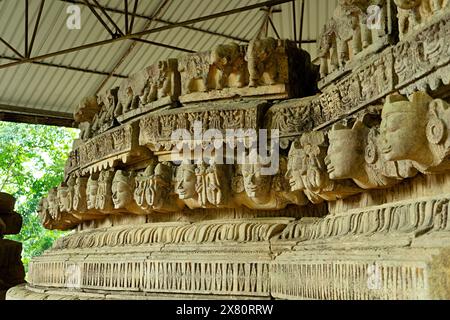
(357, 208)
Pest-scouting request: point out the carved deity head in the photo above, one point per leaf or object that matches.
(404, 126)
(295, 167)
(159, 188)
(346, 151)
(122, 193)
(185, 181)
(256, 185)
(91, 192)
(53, 205)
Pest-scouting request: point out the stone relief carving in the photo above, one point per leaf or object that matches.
(84, 115)
(122, 189)
(194, 71)
(264, 67)
(355, 154)
(348, 33)
(156, 86)
(416, 130)
(307, 170)
(257, 191)
(155, 130)
(104, 119)
(154, 189)
(414, 13)
(228, 67)
(103, 199)
(110, 171)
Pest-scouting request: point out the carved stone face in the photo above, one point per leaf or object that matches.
(121, 194)
(53, 206)
(403, 135)
(256, 185)
(65, 203)
(295, 167)
(91, 193)
(185, 182)
(345, 154)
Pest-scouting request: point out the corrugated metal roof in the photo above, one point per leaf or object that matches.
(50, 88)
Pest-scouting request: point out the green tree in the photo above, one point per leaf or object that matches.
(32, 159)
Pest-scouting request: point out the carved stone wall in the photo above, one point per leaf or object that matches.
(357, 207)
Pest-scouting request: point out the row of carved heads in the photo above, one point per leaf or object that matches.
(376, 150)
(164, 187)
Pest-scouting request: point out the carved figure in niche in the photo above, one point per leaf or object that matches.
(79, 194)
(346, 34)
(412, 13)
(194, 70)
(212, 184)
(354, 154)
(263, 63)
(142, 181)
(416, 130)
(154, 190)
(104, 119)
(217, 184)
(103, 201)
(64, 198)
(91, 192)
(84, 115)
(228, 60)
(53, 204)
(127, 98)
(162, 80)
(200, 185)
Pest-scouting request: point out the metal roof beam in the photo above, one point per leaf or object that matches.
(159, 20)
(99, 18)
(146, 32)
(11, 47)
(47, 64)
(102, 9)
(36, 26)
(133, 45)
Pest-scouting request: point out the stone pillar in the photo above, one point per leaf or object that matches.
(12, 272)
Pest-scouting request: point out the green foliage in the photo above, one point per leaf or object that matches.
(32, 159)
